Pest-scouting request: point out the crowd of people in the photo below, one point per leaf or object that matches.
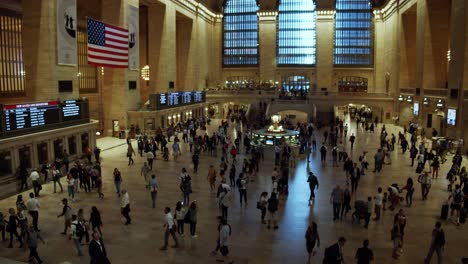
(234, 172)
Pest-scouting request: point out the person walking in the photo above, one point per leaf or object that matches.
(117, 181)
(193, 210)
(364, 255)
(211, 177)
(409, 187)
(242, 187)
(355, 177)
(125, 207)
(33, 206)
(435, 168)
(169, 226)
(224, 237)
(378, 202)
(186, 188)
(149, 159)
(334, 253)
(346, 205)
(195, 161)
(153, 188)
(32, 238)
(323, 153)
(425, 182)
(71, 187)
(225, 200)
(84, 225)
(34, 176)
(313, 184)
(75, 233)
(312, 237)
(456, 201)
(56, 175)
(95, 220)
(352, 138)
(12, 228)
(180, 215)
(67, 215)
(437, 244)
(145, 170)
(337, 200)
(272, 209)
(262, 205)
(368, 215)
(130, 153)
(97, 250)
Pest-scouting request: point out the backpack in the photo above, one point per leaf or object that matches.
(187, 217)
(457, 198)
(79, 231)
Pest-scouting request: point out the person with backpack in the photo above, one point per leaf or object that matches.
(437, 244)
(272, 209)
(334, 253)
(456, 198)
(313, 184)
(76, 231)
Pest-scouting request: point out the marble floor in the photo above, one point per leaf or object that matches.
(251, 241)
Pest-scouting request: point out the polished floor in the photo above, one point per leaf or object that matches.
(251, 241)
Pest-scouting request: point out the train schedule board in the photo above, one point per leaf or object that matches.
(30, 115)
(176, 99)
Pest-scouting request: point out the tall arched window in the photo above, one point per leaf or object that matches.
(353, 33)
(240, 33)
(296, 33)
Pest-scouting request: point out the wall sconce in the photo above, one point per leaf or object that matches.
(178, 115)
(409, 99)
(400, 98)
(169, 117)
(440, 103)
(426, 101)
(98, 133)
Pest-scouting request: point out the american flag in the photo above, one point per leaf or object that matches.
(107, 45)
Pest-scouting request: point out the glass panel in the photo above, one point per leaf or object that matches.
(296, 32)
(295, 87)
(84, 141)
(240, 40)
(25, 157)
(72, 145)
(87, 74)
(42, 153)
(5, 163)
(58, 148)
(353, 33)
(352, 84)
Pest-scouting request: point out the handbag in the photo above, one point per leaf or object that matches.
(259, 205)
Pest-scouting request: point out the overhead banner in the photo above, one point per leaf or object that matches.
(133, 38)
(66, 32)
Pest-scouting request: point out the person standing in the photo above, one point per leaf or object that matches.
(153, 187)
(437, 244)
(242, 187)
(364, 254)
(56, 175)
(346, 205)
(130, 153)
(180, 214)
(313, 184)
(186, 188)
(409, 187)
(125, 207)
(211, 177)
(150, 159)
(12, 228)
(323, 152)
(195, 161)
(32, 237)
(337, 200)
(35, 181)
(425, 182)
(262, 205)
(170, 227)
(67, 215)
(97, 250)
(224, 237)
(71, 187)
(33, 206)
(355, 177)
(368, 215)
(272, 209)
(456, 198)
(378, 201)
(225, 200)
(75, 233)
(312, 237)
(95, 220)
(117, 181)
(435, 168)
(334, 253)
(193, 210)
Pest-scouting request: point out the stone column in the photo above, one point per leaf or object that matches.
(267, 44)
(117, 98)
(40, 53)
(162, 46)
(325, 45)
(216, 69)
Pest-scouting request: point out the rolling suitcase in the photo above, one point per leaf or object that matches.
(463, 214)
(444, 211)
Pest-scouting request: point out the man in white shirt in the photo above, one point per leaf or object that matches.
(35, 181)
(224, 235)
(125, 207)
(150, 159)
(33, 208)
(378, 201)
(170, 227)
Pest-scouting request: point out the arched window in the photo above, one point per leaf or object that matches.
(240, 38)
(352, 84)
(296, 40)
(353, 33)
(295, 86)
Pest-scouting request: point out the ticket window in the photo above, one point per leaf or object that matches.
(72, 145)
(42, 153)
(84, 141)
(5, 163)
(58, 148)
(25, 157)
(163, 121)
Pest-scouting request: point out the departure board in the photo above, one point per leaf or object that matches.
(71, 110)
(30, 115)
(170, 100)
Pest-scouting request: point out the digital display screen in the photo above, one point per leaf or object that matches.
(32, 115)
(451, 116)
(71, 110)
(169, 100)
(416, 109)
